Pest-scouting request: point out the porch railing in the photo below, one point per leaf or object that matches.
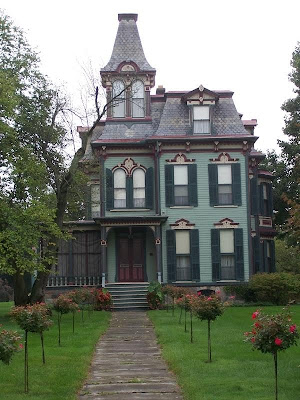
(59, 281)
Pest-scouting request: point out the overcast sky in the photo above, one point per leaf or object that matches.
(244, 46)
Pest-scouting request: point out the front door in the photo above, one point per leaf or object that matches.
(131, 259)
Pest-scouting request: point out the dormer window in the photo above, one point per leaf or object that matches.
(201, 120)
(119, 99)
(138, 95)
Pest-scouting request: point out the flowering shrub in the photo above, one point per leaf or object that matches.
(102, 299)
(185, 302)
(272, 333)
(207, 308)
(35, 318)
(155, 295)
(63, 304)
(9, 344)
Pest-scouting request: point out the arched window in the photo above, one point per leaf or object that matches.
(119, 188)
(139, 188)
(138, 94)
(119, 102)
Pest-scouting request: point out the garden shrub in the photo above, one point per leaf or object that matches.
(242, 292)
(155, 295)
(6, 291)
(9, 344)
(102, 299)
(276, 288)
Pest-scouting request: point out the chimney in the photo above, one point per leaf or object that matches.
(160, 90)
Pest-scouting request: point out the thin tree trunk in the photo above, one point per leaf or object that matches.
(209, 342)
(59, 319)
(276, 375)
(26, 387)
(191, 327)
(43, 349)
(180, 315)
(21, 289)
(185, 330)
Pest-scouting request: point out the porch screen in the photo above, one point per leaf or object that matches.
(80, 256)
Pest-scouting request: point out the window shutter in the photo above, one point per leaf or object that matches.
(169, 186)
(239, 254)
(149, 187)
(213, 184)
(254, 196)
(129, 192)
(195, 264)
(256, 254)
(192, 186)
(270, 199)
(272, 254)
(109, 189)
(171, 255)
(215, 254)
(236, 184)
(261, 200)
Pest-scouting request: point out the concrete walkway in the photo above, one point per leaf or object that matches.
(128, 365)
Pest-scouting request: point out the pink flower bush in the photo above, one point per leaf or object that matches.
(9, 344)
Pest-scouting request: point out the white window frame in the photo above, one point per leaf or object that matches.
(119, 189)
(183, 254)
(225, 184)
(179, 185)
(138, 99)
(227, 253)
(118, 106)
(203, 123)
(139, 202)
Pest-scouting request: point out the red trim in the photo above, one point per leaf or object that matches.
(231, 223)
(221, 155)
(174, 160)
(187, 222)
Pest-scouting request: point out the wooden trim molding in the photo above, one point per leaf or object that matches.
(226, 223)
(182, 224)
(180, 158)
(129, 165)
(224, 158)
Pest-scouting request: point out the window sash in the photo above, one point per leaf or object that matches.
(228, 267)
(201, 113)
(224, 175)
(181, 195)
(182, 242)
(119, 179)
(183, 268)
(226, 241)
(180, 175)
(202, 127)
(225, 194)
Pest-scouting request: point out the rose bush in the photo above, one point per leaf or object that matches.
(9, 344)
(102, 299)
(32, 318)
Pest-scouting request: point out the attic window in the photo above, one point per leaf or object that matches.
(119, 99)
(201, 120)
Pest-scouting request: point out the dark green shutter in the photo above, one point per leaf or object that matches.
(270, 199)
(149, 187)
(254, 196)
(239, 254)
(261, 256)
(265, 256)
(213, 184)
(171, 255)
(169, 179)
(272, 254)
(261, 200)
(129, 192)
(215, 254)
(192, 187)
(236, 184)
(195, 262)
(256, 254)
(109, 189)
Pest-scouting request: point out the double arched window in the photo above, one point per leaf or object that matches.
(129, 192)
(119, 99)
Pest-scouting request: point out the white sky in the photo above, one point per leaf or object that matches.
(244, 46)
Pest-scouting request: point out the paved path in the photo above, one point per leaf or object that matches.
(128, 365)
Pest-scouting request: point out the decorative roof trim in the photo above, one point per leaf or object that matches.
(201, 90)
(224, 158)
(129, 165)
(182, 224)
(226, 223)
(181, 158)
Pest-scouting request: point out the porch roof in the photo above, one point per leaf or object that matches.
(131, 220)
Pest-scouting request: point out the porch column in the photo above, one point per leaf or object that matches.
(103, 255)
(158, 252)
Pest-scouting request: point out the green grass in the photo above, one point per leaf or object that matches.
(237, 372)
(66, 367)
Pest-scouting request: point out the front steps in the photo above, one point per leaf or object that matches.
(129, 296)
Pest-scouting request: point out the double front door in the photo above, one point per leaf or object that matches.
(131, 260)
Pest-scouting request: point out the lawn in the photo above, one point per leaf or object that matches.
(237, 372)
(66, 366)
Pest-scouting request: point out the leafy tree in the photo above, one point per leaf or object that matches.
(287, 257)
(286, 166)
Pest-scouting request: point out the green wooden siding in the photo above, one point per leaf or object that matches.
(204, 216)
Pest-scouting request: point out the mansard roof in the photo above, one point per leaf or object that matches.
(128, 46)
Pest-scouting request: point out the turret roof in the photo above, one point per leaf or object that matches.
(128, 46)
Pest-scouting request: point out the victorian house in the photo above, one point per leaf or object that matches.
(177, 194)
